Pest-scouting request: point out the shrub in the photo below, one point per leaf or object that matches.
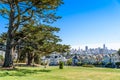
(87, 65)
(108, 65)
(118, 64)
(97, 64)
(79, 64)
(42, 63)
(69, 62)
(61, 64)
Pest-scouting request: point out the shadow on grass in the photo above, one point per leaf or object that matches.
(21, 72)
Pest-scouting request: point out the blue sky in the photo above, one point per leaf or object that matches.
(88, 22)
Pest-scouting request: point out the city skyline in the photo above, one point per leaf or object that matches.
(88, 50)
(114, 46)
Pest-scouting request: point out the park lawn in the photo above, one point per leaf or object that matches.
(54, 73)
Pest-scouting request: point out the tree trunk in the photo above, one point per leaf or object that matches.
(8, 62)
(29, 59)
(18, 53)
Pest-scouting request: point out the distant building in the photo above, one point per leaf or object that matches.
(54, 59)
(115, 58)
(86, 48)
(75, 60)
(104, 47)
(2, 49)
(106, 59)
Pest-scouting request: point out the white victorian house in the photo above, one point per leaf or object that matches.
(54, 59)
(106, 59)
(115, 58)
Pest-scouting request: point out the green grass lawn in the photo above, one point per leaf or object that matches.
(53, 73)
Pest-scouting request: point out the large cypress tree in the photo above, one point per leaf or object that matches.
(20, 12)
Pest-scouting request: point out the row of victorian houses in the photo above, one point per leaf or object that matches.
(105, 59)
(99, 59)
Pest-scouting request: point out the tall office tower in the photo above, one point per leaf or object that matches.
(86, 48)
(104, 46)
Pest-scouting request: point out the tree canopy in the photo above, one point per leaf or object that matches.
(21, 12)
(40, 40)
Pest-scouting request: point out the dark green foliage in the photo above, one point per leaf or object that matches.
(79, 64)
(108, 65)
(69, 62)
(87, 65)
(61, 65)
(41, 41)
(21, 55)
(42, 63)
(37, 59)
(117, 63)
(97, 64)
